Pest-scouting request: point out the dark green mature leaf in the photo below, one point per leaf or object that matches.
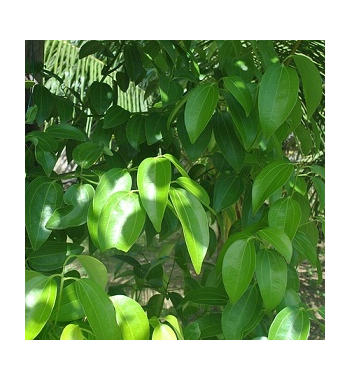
(66, 131)
(44, 100)
(131, 318)
(78, 198)
(101, 96)
(239, 318)
(227, 190)
(199, 109)
(112, 181)
(121, 221)
(285, 214)
(311, 80)
(170, 90)
(278, 94)
(95, 269)
(194, 223)
(40, 296)
(99, 310)
(155, 128)
(292, 323)
(46, 159)
(304, 245)
(238, 268)
(133, 62)
(305, 139)
(279, 240)
(86, 154)
(192, 331)
(227, 140)
(64, 108)
(271, 273)
(52, 255)
(210, 325)
(320, 189)
(42, 197)
(115, 116)
(210, 296)
(90, 47)
(153, 181)
(238, 88)
(123, 81)
(269, 180)
(317, 169)
(135, 131)
(43, 140)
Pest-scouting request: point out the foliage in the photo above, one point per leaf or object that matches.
(220, 179)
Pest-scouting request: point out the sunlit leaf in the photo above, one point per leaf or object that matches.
(279, 240)
(163, 332)
(238, 88)
(95, 270)
(72, 332)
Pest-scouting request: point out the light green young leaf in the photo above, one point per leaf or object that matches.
(163, 332)
(176, 163)
(95, 269)
(279, 240)
(195, 188)
(72, 332)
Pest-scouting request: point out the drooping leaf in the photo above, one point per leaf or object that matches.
(320, 189)
(66, 131)
(278, 94)
(317, 169)
(227, 190)
(271, 273)
(43, 140)
(199, 109)
(40, 296)
(99, 310)
(311, 80)
(238, 268)
(101, 96)
(269, 180)
(133, 62)
(303, 244)
(305, 139)
(72, 332)
(238, 88)
(195, 188)
(170, 90)
(163, 332)
(42, 197)
(153, 181)
(86, 154)
(292, 323)
(155, 127)
(194, 224)
(44, 100)
(64, 108)
(135, 131)
(95, 269)
(131, 318)
(279, 240)
(46, 159)
(121, 221)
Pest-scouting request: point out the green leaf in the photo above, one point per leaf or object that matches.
(195, 188)
(271, 274)
(155, 126)
(44, 100)
(95, 269)
(192, 331)
(133, 62)
(86, 154)
(46, 159)
(42, 197)
(305, 139)
(163, 332)
(199, 109)
(173, 321)
(99, 310)
(135, 131)
(52, 255)
(210, 325)
(209, 296)
(269, 180)
(318, 170)
(176, 163)
(64, 108)
(121, 221)
(194, 223)
(101, 96)
(320, 189)
(227, 190)
(241, 317)
(43, 140)
(227, 140)
(112, 181)
(153, 181)
(292, 323)
(66, 131)
(278, 94)
(131, 318)
(31, 114)
(70, 308)
(285, 214)
(78, 198)
(29, 84)
(170, 90)
(115, 116)
(123, 81)
(90, 47)
(40, 296)
(311, 80)
(303, 244)
(238, 88)
(279, 240)
(72, 332)
(238, 268)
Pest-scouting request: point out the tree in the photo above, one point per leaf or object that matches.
(228, 157)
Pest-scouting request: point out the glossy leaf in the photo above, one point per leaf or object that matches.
(199, 109)
(170, 90)
(163, 332)
(101, 96)
(269, 180)
(227, 190)
(238, 268)
(210, 296)
(285, 214)
(90, 47)
(86, 154)
(42, 197)
(240, 318)
(44, 100)
(40, 296)
(194, 224)
(238, 88)
(173, 321)
(99, 310)
(52, 255)
(195, 188)
(131, 318)
(292, 323)
(155, 126)
(303, 244)
(176, 163)
(115, 116)
(210, 325)
(42, 139)
(121, 221)
(227, 140)
(271, 274)
(95, 269)
(290, 298)
(153, 181)
(70, 308)
(66, 131)
(72, 332)
(78, 199)
(278, 94)
(135, 131)
(279, 240)
(46, 159)
(312, 82)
